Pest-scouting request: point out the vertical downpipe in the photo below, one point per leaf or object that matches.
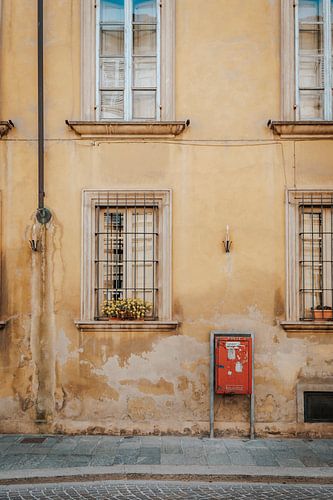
(43, 318)
(41, 193)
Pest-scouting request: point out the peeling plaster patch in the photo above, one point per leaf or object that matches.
(143, 409)
(62, 348)
(166, 358)
(193, 366)
(254, 313)
(182, 383)
(73, 408)
(288, 366)
(144, 385)
(8, 408)
(268, 406)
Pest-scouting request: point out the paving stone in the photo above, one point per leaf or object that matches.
(172, 447)
(28, 462)
(12, 438)
(85, 447)
(310, 459)
(102, 460)
(166, 491)
(284, 453)
(241, 458)
(263, 458)
(17, 449)
(289, 462)
(172, 459)
(218, 459)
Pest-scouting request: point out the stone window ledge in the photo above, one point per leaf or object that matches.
(307, 326)
(5, 127)
(318, 129)
(125, 130)
(129, 326)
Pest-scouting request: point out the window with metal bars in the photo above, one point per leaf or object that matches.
(126, 262)
(126, 249)
(128, 68)
(315, 256)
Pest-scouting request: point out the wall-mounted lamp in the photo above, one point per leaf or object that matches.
(34, 245)
(227, 243)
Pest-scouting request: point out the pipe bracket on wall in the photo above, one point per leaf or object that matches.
(43, 215)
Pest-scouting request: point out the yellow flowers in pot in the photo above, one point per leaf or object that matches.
(130, 309)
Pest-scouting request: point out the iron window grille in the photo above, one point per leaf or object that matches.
(127, 250)
(126, 259)
(315, 236)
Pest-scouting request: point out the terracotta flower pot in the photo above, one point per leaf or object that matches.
(322, 314)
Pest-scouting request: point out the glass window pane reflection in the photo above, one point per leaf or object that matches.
(144, 11)
(112, 11)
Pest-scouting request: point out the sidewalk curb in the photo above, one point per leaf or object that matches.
(170, 473)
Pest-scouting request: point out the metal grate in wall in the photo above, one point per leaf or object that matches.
(315, 256)
(318, 406)
(126, 241)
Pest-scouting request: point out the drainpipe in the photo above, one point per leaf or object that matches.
(43, 214)
(42, 294)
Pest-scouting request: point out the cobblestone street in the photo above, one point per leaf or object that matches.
(166, 491)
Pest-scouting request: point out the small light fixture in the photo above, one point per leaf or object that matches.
(227, 243)
(34, 245)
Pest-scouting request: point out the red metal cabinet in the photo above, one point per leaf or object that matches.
(233, 365)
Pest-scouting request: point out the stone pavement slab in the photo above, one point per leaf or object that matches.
(25, 456)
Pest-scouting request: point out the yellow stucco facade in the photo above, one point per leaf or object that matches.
(226, 168)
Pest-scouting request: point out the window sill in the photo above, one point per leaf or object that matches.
(5, 127)
(129, 326)
(319, 129)
(307, 326)
(125, 130)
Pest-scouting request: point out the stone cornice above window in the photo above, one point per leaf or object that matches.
(319, 129)
(307, 326)
(5, 126)
(130, 129)
(119, 326)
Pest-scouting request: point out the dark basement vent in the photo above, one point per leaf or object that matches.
(318, 406)
(32, 440)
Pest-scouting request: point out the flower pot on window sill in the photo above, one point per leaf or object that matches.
(323, 314)
(126, 319)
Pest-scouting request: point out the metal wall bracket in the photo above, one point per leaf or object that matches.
(43, 215)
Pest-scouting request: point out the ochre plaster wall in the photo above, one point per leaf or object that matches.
(227, 168)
